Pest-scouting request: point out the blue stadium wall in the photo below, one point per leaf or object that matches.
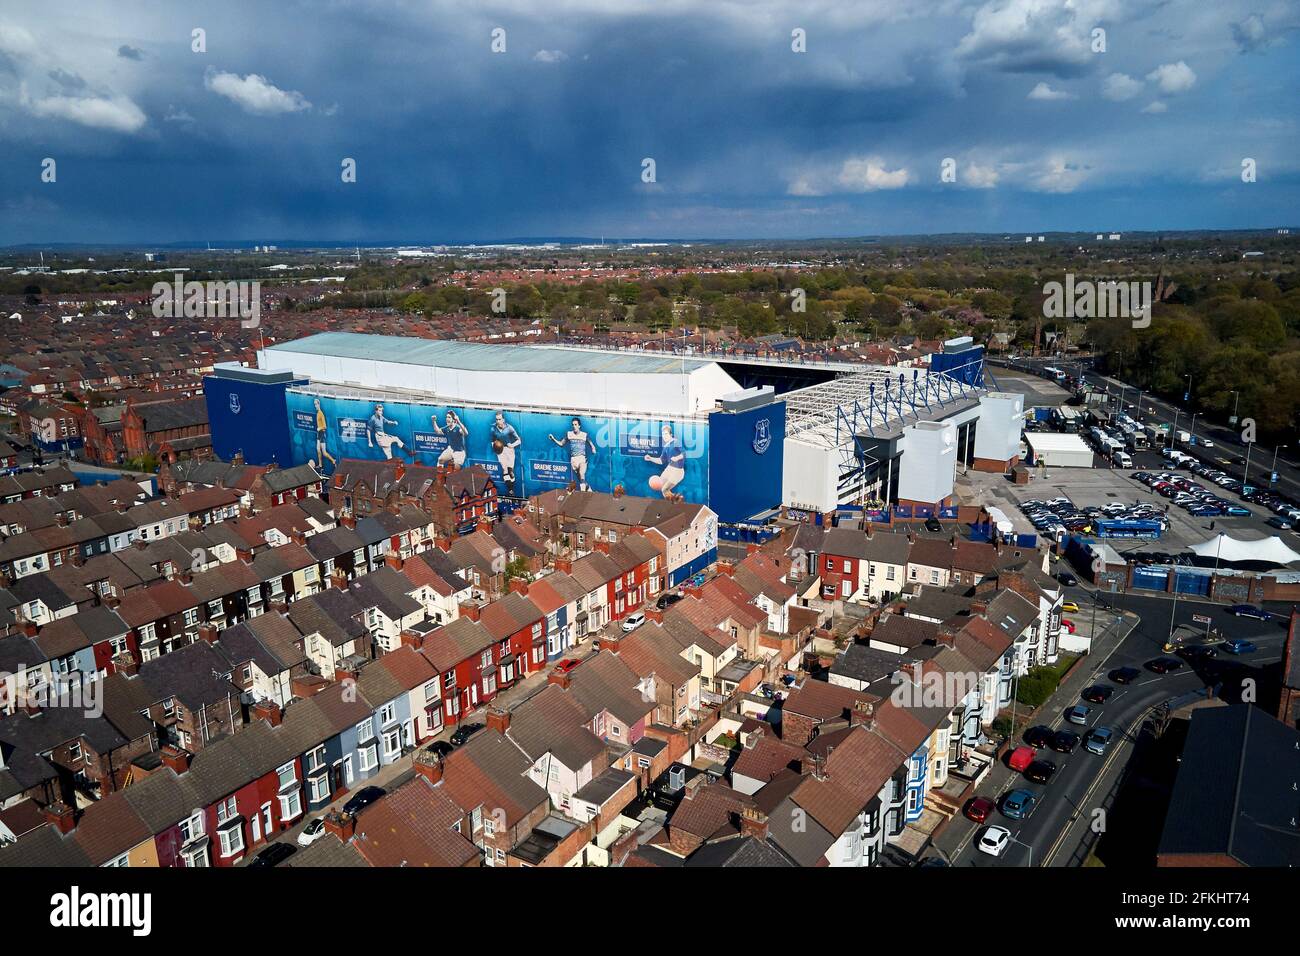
(965, 366)
(624, 451)
(251, 418)
(746, 454)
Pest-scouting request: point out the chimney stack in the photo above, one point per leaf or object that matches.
(342, 825)
(863, 715)
(753, 823)
(177, 759)
(498, 719)
(428, 765)
(519, 586)
(61, 816)
(269, 711)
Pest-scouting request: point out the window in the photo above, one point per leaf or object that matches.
(191, 617)
(232, 839)
(486, 659)
(192, 828)
(227, 810)
(214, 608)
(290, 805)
(366, 729)
(430, 690)
(74, 751)
(316, 759)
(319, 788)
(369, 757)
(168, 707)
(392, 744)
(387, 714)
(195, 857)
(288, 775)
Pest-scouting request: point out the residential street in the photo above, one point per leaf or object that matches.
(1059, 824)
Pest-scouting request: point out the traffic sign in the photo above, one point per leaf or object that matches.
(1201, 619)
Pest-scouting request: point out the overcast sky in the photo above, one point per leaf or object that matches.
(155, 142)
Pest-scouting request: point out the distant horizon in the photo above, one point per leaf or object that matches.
(1015, 237)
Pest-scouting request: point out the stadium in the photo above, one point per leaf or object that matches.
(744, 436)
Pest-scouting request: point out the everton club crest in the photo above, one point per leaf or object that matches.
(762, 435)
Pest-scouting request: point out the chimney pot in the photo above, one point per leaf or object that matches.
(342, 825)
(498, 719)
(61, 816)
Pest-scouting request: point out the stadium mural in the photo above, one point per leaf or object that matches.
(526, 452)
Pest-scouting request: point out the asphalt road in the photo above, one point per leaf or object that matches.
(1054, 829)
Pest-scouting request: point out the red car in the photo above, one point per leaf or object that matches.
(568, 665)
(1068, 625)
(978, 809)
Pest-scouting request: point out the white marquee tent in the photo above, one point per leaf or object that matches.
(1224, 547)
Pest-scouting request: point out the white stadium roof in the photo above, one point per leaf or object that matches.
(570, 380)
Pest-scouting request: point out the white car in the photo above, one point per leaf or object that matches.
(994, 840)
(633, 621)
(313, 831)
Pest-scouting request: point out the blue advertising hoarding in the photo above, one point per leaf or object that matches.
(525, 452)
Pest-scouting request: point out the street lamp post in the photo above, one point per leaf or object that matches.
(1245, 476)
(1235, 402)
(1273, 470)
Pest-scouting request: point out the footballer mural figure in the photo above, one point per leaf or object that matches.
(577, 441)
(456, 434)
(673, 458)
(322, 452)
(504, 442)
(375, 434)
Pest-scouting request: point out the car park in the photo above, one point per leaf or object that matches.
(1018, 804)
(994, 840)
(1098, 740)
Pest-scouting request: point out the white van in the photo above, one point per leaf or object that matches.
(1123, 460)
(633, 620)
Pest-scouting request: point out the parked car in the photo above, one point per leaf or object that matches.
(1040, 771)
(1098, 740)
(1018, 804)
(1064, 741)
(568, 664)
(1164, 665)
(633, 621)
(978, 809)
(463, 733)
(1068, 579)
(1039, 736)
(994, 840)
(932, 524)
(668, 600)
(274, 854)
(1020, 758)
(313, 831)
(439, 748)
(1070, 606)
(1068, 625)
(1097, 693)
(1239, 645)
(1249, 610)
(362, 799)
(1280, 523)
